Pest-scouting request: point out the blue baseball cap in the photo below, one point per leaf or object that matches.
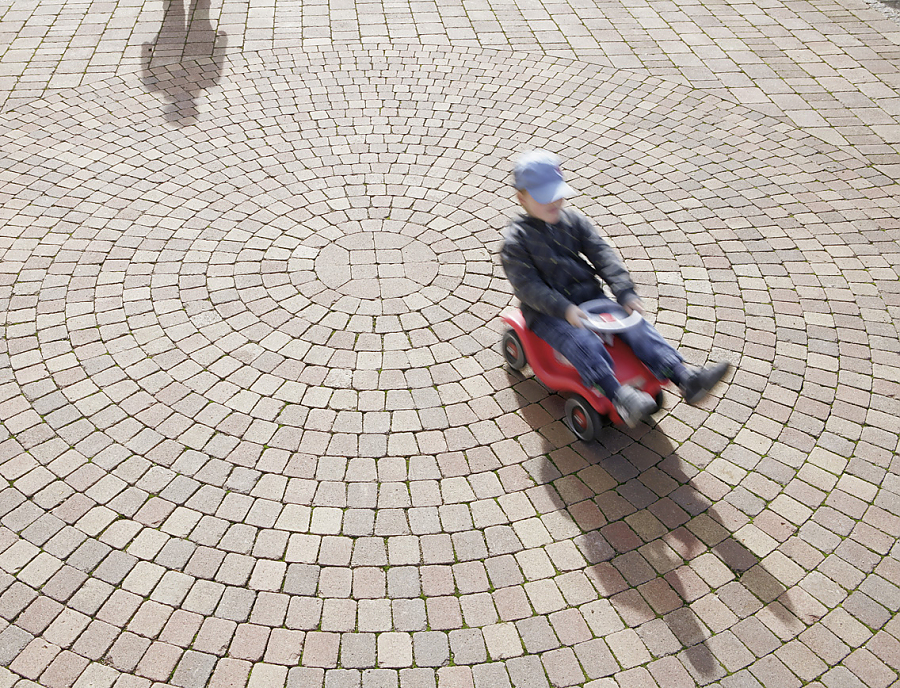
(538, 173)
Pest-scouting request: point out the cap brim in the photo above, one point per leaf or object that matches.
(551, 192)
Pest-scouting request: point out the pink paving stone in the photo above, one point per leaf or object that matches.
(159, 661)
(825, 644)
(478, 609)
(249, 642)
(73, 508)
(628, 648)
(596, 658)
(779, 619)
(455, 677)
(687, 583)
(634, 568)
(127, 651)
(774, 525)
(670, 673)
(38, 615)
(572, 490)
(149, 619)
(214, 636)
(707, 529)
(36, 657)
(230, 673)
(512, 603)
(321, 649)
(714, 613)
(872, 538)
(443, 613)
(887, 648)
(758, 639)
(587, 515)
(570, 627)
(638, 677)
(576, 587)
(685, 543)
(633, 609)
(801, 660)
(66, 627)
(437, 580)
(772, 672)
(870, 670)
(562, 667)
(154, 512)
(181, 628)
(712, 570)
(63, 670)
(883, 520)
(606, 579)
(669, 513)
(621, 537)
(95, 640)
(660, 596)
(889, 569)
(284, 647)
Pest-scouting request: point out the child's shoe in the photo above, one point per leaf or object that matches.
(633, 405)
(699, 381)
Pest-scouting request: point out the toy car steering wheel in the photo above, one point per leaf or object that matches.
(602, 326)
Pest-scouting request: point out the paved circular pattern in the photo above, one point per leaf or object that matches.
(255, 415)
(374, 265)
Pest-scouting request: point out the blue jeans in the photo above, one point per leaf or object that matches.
(585, 350)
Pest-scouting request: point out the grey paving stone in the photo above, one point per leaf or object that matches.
(193, 670)
(417, 677)
(235, 604)
(526, 672)
(467, 646)
(431, 649)
(14, 641)
(301, 579)
(358, 650)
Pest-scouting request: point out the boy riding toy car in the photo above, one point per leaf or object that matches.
(553, 258)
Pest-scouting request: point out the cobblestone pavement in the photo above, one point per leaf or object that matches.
(255, 426)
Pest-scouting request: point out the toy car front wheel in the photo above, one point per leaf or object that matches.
(582, 419)
(659, 400)
(513, 351)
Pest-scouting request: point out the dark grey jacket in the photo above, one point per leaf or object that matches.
(552, 266)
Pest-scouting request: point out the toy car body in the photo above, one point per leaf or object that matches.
(584, 405)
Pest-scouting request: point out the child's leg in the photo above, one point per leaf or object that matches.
(665, 362)
(582, 348)
(648, 345)
(656, 353)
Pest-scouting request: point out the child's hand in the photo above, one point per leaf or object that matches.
(635, 304)
(574, 316)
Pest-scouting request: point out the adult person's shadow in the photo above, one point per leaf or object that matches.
(657, 535)
(186, 39)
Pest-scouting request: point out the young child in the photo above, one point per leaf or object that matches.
(552, 258)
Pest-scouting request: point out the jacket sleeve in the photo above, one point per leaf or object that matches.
(605, 260)
(527, 283)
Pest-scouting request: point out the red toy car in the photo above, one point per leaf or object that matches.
(584, 406)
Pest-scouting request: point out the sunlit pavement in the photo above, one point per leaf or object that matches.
(255, 425)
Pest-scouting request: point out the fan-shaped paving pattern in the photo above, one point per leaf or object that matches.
(253, 409)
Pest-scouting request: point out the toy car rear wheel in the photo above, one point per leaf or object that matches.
(582, 418)
(513, 351)
(659, 400)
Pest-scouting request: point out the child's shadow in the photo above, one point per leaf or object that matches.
(658, 537)
(185, 59)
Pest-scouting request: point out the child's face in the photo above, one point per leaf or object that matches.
(548, 212)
